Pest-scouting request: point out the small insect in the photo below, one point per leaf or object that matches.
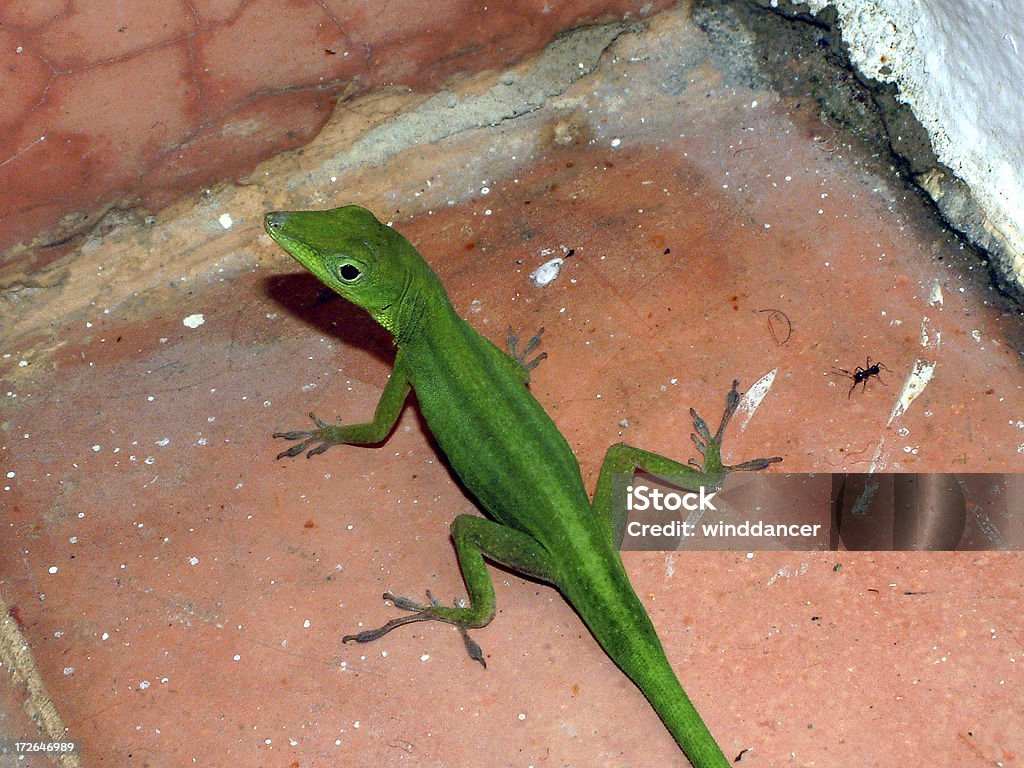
(861, 375)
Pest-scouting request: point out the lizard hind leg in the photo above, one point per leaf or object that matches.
(419, 612)
(475, 538)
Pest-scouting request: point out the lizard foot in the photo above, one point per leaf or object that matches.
(512, 341)
(710, 446)
(319, 438)
(419, 612)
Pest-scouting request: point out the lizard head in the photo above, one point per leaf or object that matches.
(355, 255)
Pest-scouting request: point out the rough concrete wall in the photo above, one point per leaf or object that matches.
(958, 65)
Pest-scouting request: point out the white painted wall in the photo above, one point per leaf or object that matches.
(959, 64)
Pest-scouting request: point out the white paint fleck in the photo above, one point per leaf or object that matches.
(784, 573)
(226, 220)
(193, 321)
(913, 386)
(547, 272)
(753, 396)
(52, 569)
(930, 337)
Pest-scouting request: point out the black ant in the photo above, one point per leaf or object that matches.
(861, 375)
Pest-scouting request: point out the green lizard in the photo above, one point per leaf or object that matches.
(508, 453)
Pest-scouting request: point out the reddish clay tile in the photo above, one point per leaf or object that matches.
(305, 45)
(419, 44)
(97, 31)
(225, 149)
(216, 11)
(27, 79)
(98, 138)
(30, 14)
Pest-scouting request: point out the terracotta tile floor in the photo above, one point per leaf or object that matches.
(185, 594)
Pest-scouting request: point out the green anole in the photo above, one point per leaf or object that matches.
(507, 452)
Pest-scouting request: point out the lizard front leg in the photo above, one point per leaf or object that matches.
(389, 407)
(710, 472)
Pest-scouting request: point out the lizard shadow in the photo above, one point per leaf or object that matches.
(305, 297)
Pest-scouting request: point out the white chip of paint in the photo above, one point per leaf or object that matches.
(753, 397)
(193, 321)
(226, 221)
(913, 386)
(547, 272)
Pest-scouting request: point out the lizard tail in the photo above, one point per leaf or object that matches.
(627, 635)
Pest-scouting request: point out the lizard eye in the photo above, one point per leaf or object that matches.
(348, 273)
